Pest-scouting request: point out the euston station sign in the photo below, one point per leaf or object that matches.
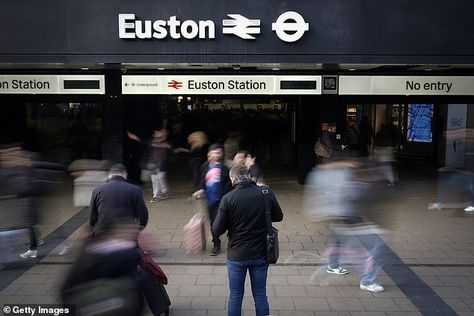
(52, 84)
(290, 26)
(264, 85)
(406, 85)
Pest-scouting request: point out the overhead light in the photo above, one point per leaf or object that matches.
(236, 67)
(275, 69)
(84, 68)
(428, 69)
(160, 68)
(352, 69)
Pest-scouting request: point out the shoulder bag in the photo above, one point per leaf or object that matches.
(322, 150)
(272, 233)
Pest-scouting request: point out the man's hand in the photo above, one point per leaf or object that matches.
(199, 194)
(133, 136)
(249, 161)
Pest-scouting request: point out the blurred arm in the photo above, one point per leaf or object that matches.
(133, 136)
(277, 213)
(141, 210)
(94, 211)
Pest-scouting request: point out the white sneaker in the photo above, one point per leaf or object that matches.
(338, 270)
(469, 209)
(435, 206)
(29, 254)
(374, 287)
(64, 251)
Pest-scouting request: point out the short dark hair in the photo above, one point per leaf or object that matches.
(215, 146)
(239, 172)
(118, 169)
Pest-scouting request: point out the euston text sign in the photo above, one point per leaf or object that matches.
(290, 26)
(52, 84)
(221, 85)
(406, 85)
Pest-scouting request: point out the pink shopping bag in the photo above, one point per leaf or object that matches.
(195, 235)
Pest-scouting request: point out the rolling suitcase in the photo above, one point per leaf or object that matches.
(154, 292)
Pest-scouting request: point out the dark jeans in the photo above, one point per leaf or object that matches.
(237, 270)
(33, 239)
(372, 244)
(212, 215)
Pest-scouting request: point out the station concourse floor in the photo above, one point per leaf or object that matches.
(429, 271)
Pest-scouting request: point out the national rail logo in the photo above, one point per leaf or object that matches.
(175, 84)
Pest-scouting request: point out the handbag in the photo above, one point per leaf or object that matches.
(322, 150)
(149, 265)
(273, 250)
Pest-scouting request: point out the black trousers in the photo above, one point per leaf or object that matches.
(212, 215)
(33, 238)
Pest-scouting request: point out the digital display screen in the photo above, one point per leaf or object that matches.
(419, 123)
(298, 85)
(81, 84)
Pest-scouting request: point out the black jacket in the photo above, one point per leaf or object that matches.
(117, 200)
(242, 213)
(329, 139)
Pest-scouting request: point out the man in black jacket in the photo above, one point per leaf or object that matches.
(214, 183)
(242, 213)
(117, 201)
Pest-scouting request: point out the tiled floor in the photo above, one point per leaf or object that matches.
(430, 270)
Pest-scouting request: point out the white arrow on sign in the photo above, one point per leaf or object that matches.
(241, 26)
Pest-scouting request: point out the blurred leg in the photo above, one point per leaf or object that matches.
(33, 240)
(163, 184)
(334, 250)
(154, 184)
(373, 245)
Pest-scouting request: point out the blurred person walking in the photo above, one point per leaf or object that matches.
(451, 184)
(214, 183)
(105, 273)
(199, 145)
(158, 156)
(352, 136)
(18, 192)
(333, 194)
(242, 214)
(384, 153)
(366, 135)
(455, 179)
(117, 201)
(231, 146)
